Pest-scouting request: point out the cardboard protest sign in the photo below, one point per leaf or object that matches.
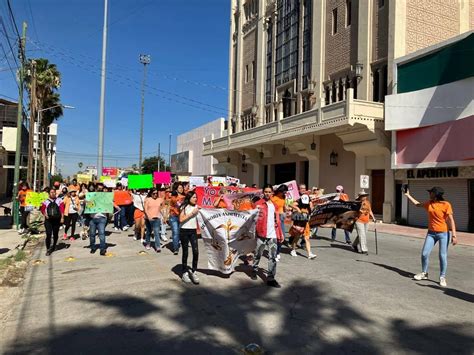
(206, 195)
(293, 194)
(99, 202)
(335, 214)
(216, 180)
(110, 183)
(162, 177)
(182, 178)
(35, 199)
(197, 181)
(232, 180)
(104, 178)
(124, 181)
(144, 181)
(113, 172)
(83, 178)
(226, 236)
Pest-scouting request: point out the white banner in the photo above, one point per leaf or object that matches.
(226, 236)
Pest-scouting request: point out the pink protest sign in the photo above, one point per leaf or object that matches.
(110, 172)
(162, 177)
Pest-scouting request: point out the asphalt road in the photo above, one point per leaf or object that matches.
(340, 303)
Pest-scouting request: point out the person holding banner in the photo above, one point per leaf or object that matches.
(268, 232)
(279, 199)
(362, 223)
(342, 197)
(188, 235)
(300, 216)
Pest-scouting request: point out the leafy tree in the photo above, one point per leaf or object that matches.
(150, 164)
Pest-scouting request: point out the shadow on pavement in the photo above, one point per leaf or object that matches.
(391, 268)
(206, 320)
(464, 296)
(4, 250)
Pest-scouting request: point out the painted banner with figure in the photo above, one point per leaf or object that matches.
(144, 181)
(206, 195)
(99, 202)
(226, 236)
(242, 201)
(335, 214)
(35, 199)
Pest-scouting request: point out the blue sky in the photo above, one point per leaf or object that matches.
(188, 41)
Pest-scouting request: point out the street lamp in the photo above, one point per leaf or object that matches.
(144, 59)
(38, 119)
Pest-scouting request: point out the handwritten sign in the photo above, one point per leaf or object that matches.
(84, 178)
(35, 199)
(99, 202)
(144, 181)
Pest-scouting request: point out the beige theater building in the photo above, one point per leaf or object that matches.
(307, 82)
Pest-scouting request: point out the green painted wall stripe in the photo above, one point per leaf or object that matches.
(451, 63)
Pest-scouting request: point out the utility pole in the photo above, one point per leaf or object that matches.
(144, 59)
(100, 157)
(169, 154)
(32, 133)
(159, 156)
(19, 126)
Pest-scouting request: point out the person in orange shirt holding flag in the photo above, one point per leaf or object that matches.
(440, 220)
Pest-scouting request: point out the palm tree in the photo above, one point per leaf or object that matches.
(43, 81)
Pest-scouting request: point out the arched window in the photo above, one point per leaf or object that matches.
(341, 91)
(286, 104)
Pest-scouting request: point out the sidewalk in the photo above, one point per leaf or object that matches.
(406, 231)
(9, 241)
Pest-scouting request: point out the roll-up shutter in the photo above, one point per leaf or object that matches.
(455, 191)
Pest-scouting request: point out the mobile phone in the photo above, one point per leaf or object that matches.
(405, 188)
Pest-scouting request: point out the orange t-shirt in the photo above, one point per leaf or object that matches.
(343, 197)
(122, 197)
(22, 197)
(365, 209)
(279, 203)
(438, 212)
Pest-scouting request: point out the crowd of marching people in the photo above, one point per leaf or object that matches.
(150, 211)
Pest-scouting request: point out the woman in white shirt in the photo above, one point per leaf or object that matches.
(188, 234)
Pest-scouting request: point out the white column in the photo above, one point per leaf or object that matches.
(238, 94)
(260, 66)
(389, 193)
(396, 38)
(318, 44)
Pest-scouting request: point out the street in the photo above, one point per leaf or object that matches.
(341, 302)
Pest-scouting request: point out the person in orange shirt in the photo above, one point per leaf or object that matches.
(440, 219)
(176, 199)
(22, 200)
(362, 223)
(122, 200)
(342, 197)
(279, 200)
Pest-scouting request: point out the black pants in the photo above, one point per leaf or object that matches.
(52, 230)
(70, 221)
(24, 216)
(189, 236)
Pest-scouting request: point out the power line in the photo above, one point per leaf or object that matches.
(32, 19)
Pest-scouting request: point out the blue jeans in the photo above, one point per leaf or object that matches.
(174, 223)
(120, 218)
(99, 225)
(430, 241)
(347, 234)
(154, 224)
(283, 229)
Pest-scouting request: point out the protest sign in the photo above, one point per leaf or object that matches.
(226, 236)
(124, 181)
(162, 177)
(335, 214)
(206, 195)
(197, 181)
(113, 172)
(216, 180)
(144, 181)
(99, 202)
(292, 194)
(84, 178)
(182, 178)
(112, 183)
(35, 199)
(104, 178)
(232, 180)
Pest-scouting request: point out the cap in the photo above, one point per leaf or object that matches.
(305, 199)
(56, 183)
(436, 190)
(339, 188)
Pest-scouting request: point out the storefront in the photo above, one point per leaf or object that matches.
(458, 184)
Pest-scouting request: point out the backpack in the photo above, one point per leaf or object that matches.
(53, 211)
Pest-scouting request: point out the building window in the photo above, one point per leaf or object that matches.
(341, 91)
(334, 21)
(333, 94)
(246, 74)
(376, 85)
(268, 79)
(286, 61)
(286, 104)
(348, 13)
(381, 3)
(307, 36)
(251, 9)
(327, 96)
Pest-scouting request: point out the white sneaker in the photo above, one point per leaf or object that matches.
(163, 238)
(442, 282)
(277, 258)
(116, 229)
(125, 228)
(312, 256)
(186, 278)
(194, 277)
(421, 276)
(21, 231)
(293, 253)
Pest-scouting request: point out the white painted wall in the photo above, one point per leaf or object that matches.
(193, 141)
